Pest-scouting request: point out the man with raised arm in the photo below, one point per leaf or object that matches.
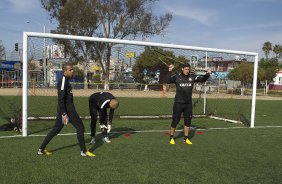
(184, 83)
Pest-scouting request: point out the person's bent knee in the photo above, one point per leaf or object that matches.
(174, 124)
(187, 123)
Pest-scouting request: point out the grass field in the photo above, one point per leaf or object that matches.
(139, 153)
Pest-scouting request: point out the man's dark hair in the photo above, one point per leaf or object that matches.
(65, 66)
(186, 65)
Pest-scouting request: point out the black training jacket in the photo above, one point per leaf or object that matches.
(102, 100)
(184, 85)
(65, 95)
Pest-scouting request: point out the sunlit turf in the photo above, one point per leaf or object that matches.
(140, 151)
(138, 154)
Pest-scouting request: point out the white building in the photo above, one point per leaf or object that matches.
(277, 82)
(278, 78)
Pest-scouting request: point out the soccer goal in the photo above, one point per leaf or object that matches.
(135, 72)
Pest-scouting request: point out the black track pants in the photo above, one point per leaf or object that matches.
(181, 108)
(74, 120)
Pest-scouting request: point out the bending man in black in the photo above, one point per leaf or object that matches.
(184, 83)
(66, 110)
(99, 103)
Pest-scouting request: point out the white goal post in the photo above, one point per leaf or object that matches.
(26, 36)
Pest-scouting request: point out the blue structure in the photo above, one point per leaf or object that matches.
(10, 65)
(10, 74)
(219, 75)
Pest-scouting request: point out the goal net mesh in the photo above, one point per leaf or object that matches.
(135, 74)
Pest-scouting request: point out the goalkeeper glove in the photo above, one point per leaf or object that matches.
(65, 119)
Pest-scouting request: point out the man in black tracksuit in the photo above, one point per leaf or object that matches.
(66, 110)
(100, 102)
(184, 83)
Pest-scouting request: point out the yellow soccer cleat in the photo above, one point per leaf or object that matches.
(90, 154)
(87, 154)
(172, 141)
(187, 141)
(43, 152)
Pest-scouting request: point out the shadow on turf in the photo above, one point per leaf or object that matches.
(245, 121)
(121, 131)
(115, 133)
(64, 147)
(42, 130)
(192, 131)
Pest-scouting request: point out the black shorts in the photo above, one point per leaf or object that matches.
(179, 109)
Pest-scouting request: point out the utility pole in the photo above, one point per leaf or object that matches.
(118, 74)
(45, 60)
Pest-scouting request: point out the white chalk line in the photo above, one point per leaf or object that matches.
(145, 131)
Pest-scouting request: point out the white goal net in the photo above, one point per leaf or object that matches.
(134, 70)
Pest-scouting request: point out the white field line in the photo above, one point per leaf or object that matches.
(225, 119)
(146, 131)
(121, 117)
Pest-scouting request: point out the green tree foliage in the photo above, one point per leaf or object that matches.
(96, 78)
(266, 71)
(104, 18)
(78, 72)
(267, 47)
(269, 68)
(244, 73)
(152, 60)
(277, 49)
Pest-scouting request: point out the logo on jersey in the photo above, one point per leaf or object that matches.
(185, 84)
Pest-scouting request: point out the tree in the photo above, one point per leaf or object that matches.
(267, 47)
(277, 49)
(152, 60)
(2, 51)
(269, 68)
(243, 72)
(129, 19)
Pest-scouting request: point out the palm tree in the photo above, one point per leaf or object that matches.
(267, 47)
(277, 49)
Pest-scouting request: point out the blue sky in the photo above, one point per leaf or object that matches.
(226, 24)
